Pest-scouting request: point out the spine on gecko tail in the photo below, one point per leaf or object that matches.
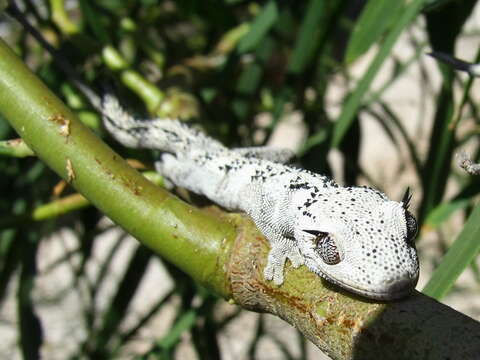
(160, 134)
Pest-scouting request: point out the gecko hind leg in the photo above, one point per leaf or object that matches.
(178, 172)
(186, 173)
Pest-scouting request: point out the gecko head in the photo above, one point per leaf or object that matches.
(360, 240)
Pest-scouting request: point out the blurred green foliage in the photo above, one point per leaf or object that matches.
(221, 63)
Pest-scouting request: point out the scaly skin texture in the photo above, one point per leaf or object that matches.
(354, 237)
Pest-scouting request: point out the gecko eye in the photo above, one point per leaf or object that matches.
(325, 247)
(412, 227)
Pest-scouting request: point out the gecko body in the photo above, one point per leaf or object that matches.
(354, 237)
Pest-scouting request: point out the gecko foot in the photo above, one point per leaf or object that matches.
(276, 262)
(274, 270)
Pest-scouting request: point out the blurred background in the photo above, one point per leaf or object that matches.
(346, 84)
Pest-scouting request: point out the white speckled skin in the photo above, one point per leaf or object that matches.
(354, 237)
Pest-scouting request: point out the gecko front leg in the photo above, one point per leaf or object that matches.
(266, 211)
(282, 248)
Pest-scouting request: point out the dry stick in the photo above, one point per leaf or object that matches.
(473, 70)
(57, 57)
(225, 252)
(467, 164)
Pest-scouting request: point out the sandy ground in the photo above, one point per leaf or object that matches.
(61, 307)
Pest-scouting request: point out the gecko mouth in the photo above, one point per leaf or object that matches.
(395, 290)
(399, 290)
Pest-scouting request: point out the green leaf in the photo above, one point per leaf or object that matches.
(184, 323)
(459, 256)
(376, 18)
(96, 21)
(261, 25)
(354, 101)
(442, 212)
(307, 36)
(249, 79)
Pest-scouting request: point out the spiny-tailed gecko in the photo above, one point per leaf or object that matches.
(354, 237)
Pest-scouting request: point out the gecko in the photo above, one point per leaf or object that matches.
(354, 237)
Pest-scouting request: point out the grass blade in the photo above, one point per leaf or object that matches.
(261, 25)
(307, 36)
(442, 212)
(375, 19)
(457, 259)
(133, 331)
(185, 322)
(354, 100)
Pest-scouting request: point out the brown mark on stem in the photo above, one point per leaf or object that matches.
(15, 142)
(63, 123)
(70, 172)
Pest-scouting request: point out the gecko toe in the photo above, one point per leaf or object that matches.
(278, 277)
(296, 258)
(268, 272)
(274, 271)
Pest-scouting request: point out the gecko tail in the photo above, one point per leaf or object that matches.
(160, 134)
(120, 124)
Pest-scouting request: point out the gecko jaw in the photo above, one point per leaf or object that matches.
(397, 289)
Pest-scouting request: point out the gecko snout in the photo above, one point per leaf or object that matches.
(399, 287)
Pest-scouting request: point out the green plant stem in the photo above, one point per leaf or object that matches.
(15, 148)
(225, 253)
(48, 211)
(62, 206)
(191, 239)
(61, 19)
(151, 95)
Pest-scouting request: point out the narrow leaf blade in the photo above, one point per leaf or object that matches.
(457, 259)
(376, 17)
(261, 25)
(307, 36)
(354, 101)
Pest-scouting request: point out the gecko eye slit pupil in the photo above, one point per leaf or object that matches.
(325, 247)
